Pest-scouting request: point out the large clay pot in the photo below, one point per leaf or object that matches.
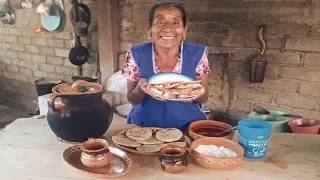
(77, 111)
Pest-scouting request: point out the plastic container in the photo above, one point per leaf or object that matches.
(279, 123)
(254, 136)
(304, 126)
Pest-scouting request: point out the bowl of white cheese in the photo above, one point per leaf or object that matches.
(217, 153)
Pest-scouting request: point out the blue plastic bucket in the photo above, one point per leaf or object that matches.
(254, 136)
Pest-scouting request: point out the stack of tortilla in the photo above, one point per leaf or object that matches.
(143, 140)
(176, 90)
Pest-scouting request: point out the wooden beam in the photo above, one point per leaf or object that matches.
(108, 36)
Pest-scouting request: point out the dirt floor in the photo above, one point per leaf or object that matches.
(10, 112)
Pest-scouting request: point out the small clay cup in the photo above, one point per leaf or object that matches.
(95, 153)
(174, 159)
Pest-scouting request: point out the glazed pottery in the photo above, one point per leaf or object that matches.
(173, 159)
(304, 126)
(217, 163)
(95, 153)
(208, 128)
(77, 111)
(119, 164)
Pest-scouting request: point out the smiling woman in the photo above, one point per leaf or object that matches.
(168, 52)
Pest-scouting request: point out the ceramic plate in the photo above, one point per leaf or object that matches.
(119, 165)
(168, 77)
(170, 99)
(154, 130)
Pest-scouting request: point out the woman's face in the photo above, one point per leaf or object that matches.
(167, 29)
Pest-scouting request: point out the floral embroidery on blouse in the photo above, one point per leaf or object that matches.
(131, 70)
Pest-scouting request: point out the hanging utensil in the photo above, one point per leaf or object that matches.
(81, 28)
(261, 110)
(7, 14)
(78, 55)
(91, 58)
(84, 14)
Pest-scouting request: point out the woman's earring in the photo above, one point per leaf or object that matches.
(149, 37)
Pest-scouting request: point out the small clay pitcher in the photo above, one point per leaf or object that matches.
(174, 159)
(95, 153)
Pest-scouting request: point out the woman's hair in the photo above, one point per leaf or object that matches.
(168, 4)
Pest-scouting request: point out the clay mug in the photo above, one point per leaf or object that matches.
(174, 159)
(95, 153)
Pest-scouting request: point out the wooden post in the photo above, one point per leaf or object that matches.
(108, 36)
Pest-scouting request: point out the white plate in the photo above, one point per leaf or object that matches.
(168, 77)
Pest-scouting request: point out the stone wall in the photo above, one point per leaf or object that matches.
(292, 83)
(26, 56)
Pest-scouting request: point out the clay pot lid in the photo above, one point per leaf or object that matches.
(78, 87)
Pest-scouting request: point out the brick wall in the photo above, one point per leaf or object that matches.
(292, 83)
(26, 56)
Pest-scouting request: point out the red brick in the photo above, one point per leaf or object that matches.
(240, 105)
(13, 69)
(308, 114)
(24, 56)
(273, 107)
(12, 39)
(26, 71)
(243, 53)
(272, 70)
(62, 52)
(283, 57)
(47, 68)
(5, 60)
(254, 94)
(306, 44)
(39, 59)
(285, 85)
(312, 60)
(140, 19)
(311, 89)
(17, 47)
(293, 29)
(24, 40)
(55, 60)
(294, 100)
(32, 49)
(253, 42)
(47, 50)
(39, 41)
(40, 74)
(12, 54)
(55, 43)
(15, 31)
(62, 35)
(221, 40)
(301, 73)
(4, 30)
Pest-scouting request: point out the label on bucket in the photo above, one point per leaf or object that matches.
(255, 148)
(260, 137)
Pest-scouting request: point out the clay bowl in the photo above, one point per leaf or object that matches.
(208, 128)
(213, 162)
(304, 126)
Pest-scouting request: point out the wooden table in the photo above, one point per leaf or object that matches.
(30, 151)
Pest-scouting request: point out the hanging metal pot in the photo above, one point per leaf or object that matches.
(83, 12)
(81, 28)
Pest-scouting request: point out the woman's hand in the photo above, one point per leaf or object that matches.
(143, 86)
